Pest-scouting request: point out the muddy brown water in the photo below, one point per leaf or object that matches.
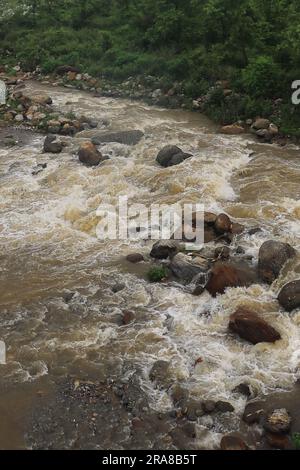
(49, 249)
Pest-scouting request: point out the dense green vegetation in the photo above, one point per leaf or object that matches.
(252, 43)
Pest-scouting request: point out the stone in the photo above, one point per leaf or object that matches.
(278, 421)
(164, 249)
(233, 129)
(289, 296)
(19, 118)
(186, 268)
(51, 145)
(209, 406)
(233, 443)
(159, 373)
(243, 389)
(278, 441)
(228, 274)
(128, 317)
(223, 224)
(89, 155)
(171, 155)
(249, 326)
(224, 407)
(273, 255)
(254, 412)
(261, 124)
(135, 258)
(122, 137)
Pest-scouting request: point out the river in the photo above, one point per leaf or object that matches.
(59, 309)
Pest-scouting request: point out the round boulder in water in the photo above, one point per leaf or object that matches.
(171, 155)
(289, 296)
(249, 326)
(89, 155)
(273, 255)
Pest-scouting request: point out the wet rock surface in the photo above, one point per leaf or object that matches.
(171, 155)
(224, 275)
(273, 256)
(121, 137)
(289, 296)
(249, 326)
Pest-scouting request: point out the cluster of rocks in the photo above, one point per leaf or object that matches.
(264, 129)
(215, 268)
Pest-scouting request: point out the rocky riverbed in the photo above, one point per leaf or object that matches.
(122, 344)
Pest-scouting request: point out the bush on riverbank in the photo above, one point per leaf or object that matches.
(251, 44)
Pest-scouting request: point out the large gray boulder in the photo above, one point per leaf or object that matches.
(272, 257)
(187, 269)
(171, 155)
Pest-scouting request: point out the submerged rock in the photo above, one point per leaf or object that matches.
(171, 155)
(227, 274)
(51, 145)
(135, 258)
(249, 326)
(272, 257)
(222, 224)
(233, 443)
(89, 155)
(160, 373)
(289, 296)
(121, 137)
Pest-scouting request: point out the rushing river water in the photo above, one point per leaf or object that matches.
(49, 249)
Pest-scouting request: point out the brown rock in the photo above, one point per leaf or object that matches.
(135, 258)
(278, 441)
(289, 296)
(223, 224)
(128, 317)
(233, 129)
(254, 412)
(224, 275)
(249, 326)
(237, 229)
(233, 443)
(272, 257)
(89, 155)
(261, 124)
(209, 406)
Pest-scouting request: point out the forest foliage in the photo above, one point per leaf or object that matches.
(255, 44)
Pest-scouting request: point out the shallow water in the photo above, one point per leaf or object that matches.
(49, 247)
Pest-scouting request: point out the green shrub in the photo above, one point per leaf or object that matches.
(157, 273)
(262, 78)
(296, 440)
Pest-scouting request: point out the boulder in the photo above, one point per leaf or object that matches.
(209, 406)
(89, 155)
(224, 407)
(261, 124)
(223, 224)
(273, 129)
(278, 441)
(51, 145)
(272, 257)
(122, 137)
(186, 268)
(171, 155)
(264, 134)
(227, 274)
(164, 249)
(233, 129)
(249, 326)
(135, 258)
(41, 99)
(289, 296)
(233, 443)
(254, 412)
(278, 421)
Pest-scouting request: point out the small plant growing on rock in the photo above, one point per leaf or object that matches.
(296, 440)
(157, 273)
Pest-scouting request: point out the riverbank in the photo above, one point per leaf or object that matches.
(151, 90)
